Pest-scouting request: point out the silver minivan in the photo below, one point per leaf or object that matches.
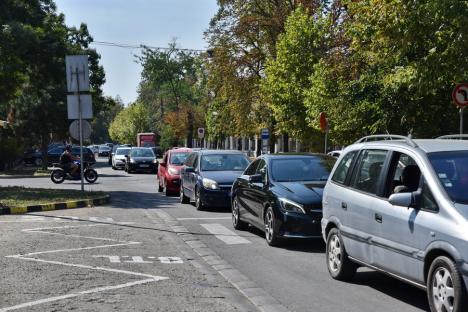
(400, 206)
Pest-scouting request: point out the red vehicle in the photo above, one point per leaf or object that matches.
(146, 139)
(169, 170)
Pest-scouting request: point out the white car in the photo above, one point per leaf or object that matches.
(118, 160)
(335, 154)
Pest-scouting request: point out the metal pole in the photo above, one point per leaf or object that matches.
(81, 128)
(461, 120)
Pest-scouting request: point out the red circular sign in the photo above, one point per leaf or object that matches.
(460, 94)
(323, 121)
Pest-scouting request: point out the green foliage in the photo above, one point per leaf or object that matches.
(103, 119)
(129, 122)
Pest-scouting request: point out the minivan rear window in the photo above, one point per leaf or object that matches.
(343, 167)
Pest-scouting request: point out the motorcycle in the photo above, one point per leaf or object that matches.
(59, 174)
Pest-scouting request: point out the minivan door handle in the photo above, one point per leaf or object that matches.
(378, 217)
(344, 206)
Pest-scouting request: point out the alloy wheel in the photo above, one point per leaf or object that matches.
(235, 213)
(269, 222)
(334, 253)
(443, 292)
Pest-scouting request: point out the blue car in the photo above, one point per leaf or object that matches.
(208, 175)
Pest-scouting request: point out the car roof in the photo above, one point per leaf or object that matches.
(180, 150)
(291, 155)
(218, 152)
(426, 145)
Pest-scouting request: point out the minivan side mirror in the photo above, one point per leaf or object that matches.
(189, 169)
(256, 178)
(407, 199)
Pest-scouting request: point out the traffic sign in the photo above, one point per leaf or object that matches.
(460, 94)
(201, 133)
(86, 106)
(77, 73)
(265, 134)
(75, 129)
(323, 122)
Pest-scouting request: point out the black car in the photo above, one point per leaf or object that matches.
(208, 175)
(141, 159)
(282, 195)
(54, 154)
(32, 157)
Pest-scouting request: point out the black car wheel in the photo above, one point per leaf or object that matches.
(183, 199)
(38, 162)
(271, 234)
(236, 218)
(198, 201)
(339, 265)
(445, 288)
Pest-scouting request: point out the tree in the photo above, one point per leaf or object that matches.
(129, 122)
(103, 119)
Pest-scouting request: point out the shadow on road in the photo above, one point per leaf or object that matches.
(393, 288)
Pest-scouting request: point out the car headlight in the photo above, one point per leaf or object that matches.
(287, 205)
(210, 184)
(155, 161)
(132, 161)
(174, 171)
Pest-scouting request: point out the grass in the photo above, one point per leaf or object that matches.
(26, 171)
(17, 196)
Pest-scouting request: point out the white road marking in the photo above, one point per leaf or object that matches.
(170, 260)
(207, 218)
(81, 293)
(112, 259)
(223, 233)
(76, 249)
(82, 266)
(138, 259)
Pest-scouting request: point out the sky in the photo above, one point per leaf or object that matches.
(135, 22)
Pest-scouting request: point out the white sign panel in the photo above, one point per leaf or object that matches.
(86, 106)
(77, 64)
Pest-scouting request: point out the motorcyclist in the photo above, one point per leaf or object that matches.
(66, 160)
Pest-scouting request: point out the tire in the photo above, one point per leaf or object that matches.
(339, 265)
(57, 176)
(160, 188)
(183, 199)
(38, 162)
(198, 201)
(91, 175)
(237, 223)
(271, 234)
(445, 287)
(167, 192)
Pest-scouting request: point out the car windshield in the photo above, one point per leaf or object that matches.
(224, 162)
(452, 170)
(310, 168)
(104, 148)
(142, 152)
(178, 158)
(122, 151)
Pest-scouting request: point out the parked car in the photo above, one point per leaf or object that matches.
(32, 157)
(141, 159)
(94, 148)
(282, 195)
(169, 170)
(119, 157)
(208, 175)
(104, 151)
(54, 154)
(335, 154)
(401, 206)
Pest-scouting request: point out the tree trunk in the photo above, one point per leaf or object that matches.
(189, 129)
(285, 142)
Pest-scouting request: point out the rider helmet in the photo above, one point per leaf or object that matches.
(68, 147)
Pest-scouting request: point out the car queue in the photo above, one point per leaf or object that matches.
(389, 203)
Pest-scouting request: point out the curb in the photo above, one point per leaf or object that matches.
(56, 206)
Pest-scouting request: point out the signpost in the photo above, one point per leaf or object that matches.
(79, 104)
(324, 127)
(265, 135)
(460, 98)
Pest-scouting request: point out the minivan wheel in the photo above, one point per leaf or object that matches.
(339, 265)
(271, 234)
(445, 288)
(237, 223)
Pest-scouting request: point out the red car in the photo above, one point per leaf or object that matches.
(169, 170)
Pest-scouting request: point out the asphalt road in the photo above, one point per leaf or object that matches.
(147, 252)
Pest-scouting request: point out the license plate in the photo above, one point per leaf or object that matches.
(144, 166)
